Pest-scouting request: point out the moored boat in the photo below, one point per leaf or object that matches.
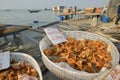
(33, 11)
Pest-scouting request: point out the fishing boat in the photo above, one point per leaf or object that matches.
(33, 11)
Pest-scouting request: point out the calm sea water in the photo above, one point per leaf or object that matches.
(24, 17)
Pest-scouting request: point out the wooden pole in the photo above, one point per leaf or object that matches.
(112, 8)
(108, 7)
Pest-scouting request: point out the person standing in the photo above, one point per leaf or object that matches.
(71, 11)
(118, 15)
(103, 11)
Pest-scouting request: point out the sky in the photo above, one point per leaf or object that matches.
(39, 4)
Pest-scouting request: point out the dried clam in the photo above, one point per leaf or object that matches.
(10, 43)
(10, 48)
(1, 43)
(19, 48)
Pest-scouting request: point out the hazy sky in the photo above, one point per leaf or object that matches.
(38, 4)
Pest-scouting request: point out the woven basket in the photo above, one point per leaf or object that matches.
(71, 75)
(27, 58)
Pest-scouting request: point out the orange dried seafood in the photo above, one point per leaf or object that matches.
(17, 69)
(84, 55)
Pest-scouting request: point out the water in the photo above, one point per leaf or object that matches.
(24, 17)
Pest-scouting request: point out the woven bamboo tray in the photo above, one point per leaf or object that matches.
(71, 75)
